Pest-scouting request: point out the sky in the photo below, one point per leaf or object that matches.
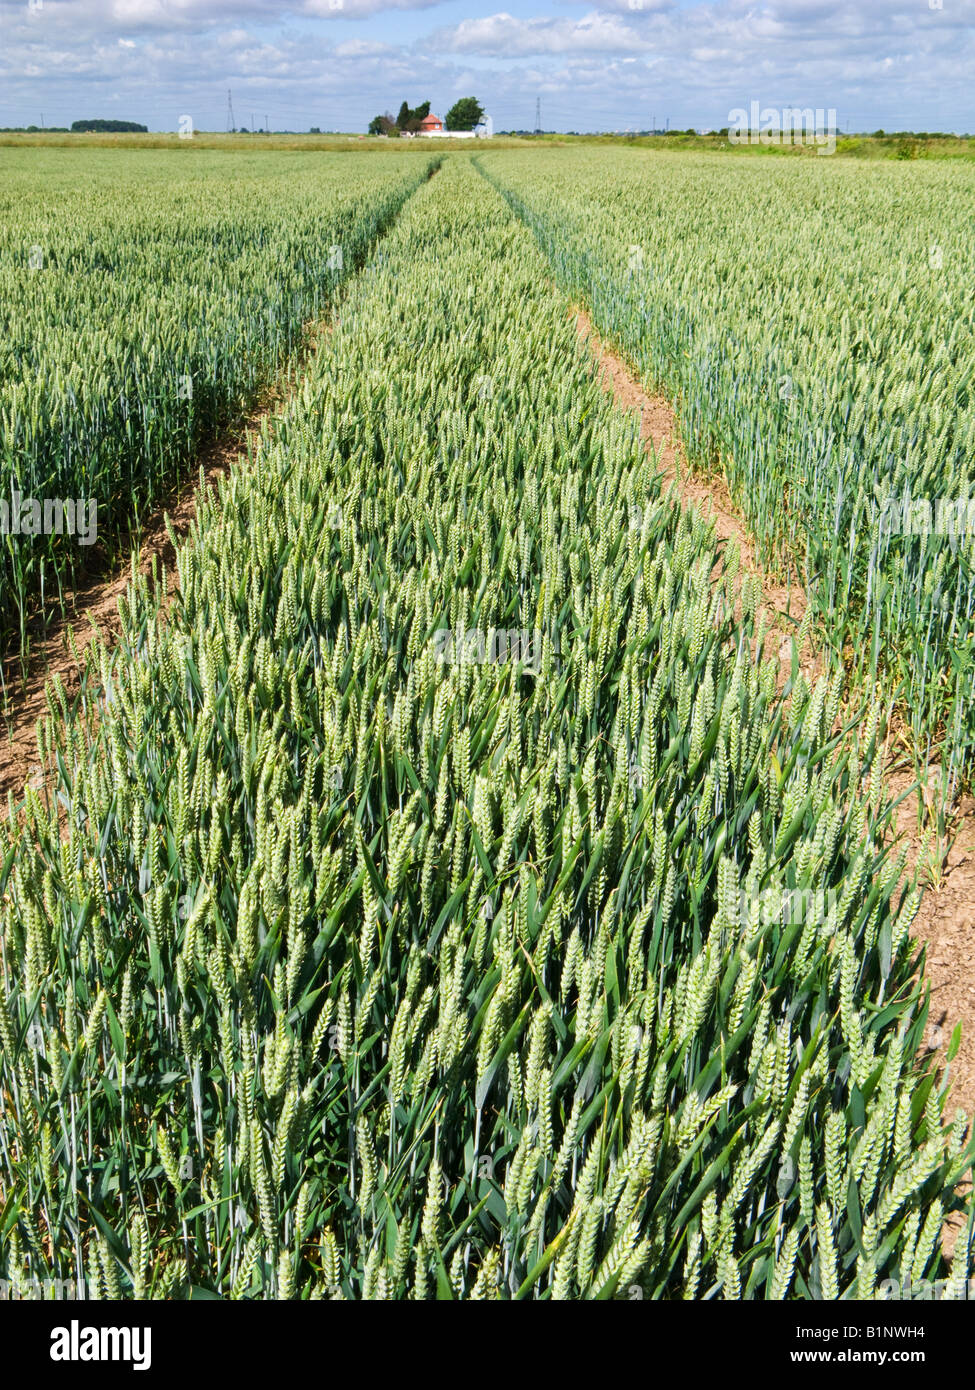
(592, 64)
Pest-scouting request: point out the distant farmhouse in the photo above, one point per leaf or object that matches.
(433, 125)
(466, 120)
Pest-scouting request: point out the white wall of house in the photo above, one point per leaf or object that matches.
(479, 134)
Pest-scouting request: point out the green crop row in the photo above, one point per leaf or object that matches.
(815, 325)
(143, 303)
(442, 902)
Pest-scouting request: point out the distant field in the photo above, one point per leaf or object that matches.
(901, 147)
(236, 144)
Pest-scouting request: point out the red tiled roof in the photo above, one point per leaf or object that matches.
(431, 122)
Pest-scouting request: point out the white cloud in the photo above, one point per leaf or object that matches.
(171, 16)
(895, 62)
(362, 48)
(504, 35)
(361, 9)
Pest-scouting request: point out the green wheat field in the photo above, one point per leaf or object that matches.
(434, 892)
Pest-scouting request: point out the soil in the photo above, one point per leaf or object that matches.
(782, 607)
(945, 923)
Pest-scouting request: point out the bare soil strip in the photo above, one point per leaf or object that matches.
(946, 917)
(783, 608)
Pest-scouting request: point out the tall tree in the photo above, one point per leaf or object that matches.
(464, 114)
(402, 120)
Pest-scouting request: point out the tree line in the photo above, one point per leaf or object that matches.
(112, 127)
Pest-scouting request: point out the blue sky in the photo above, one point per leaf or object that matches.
(610, 65)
